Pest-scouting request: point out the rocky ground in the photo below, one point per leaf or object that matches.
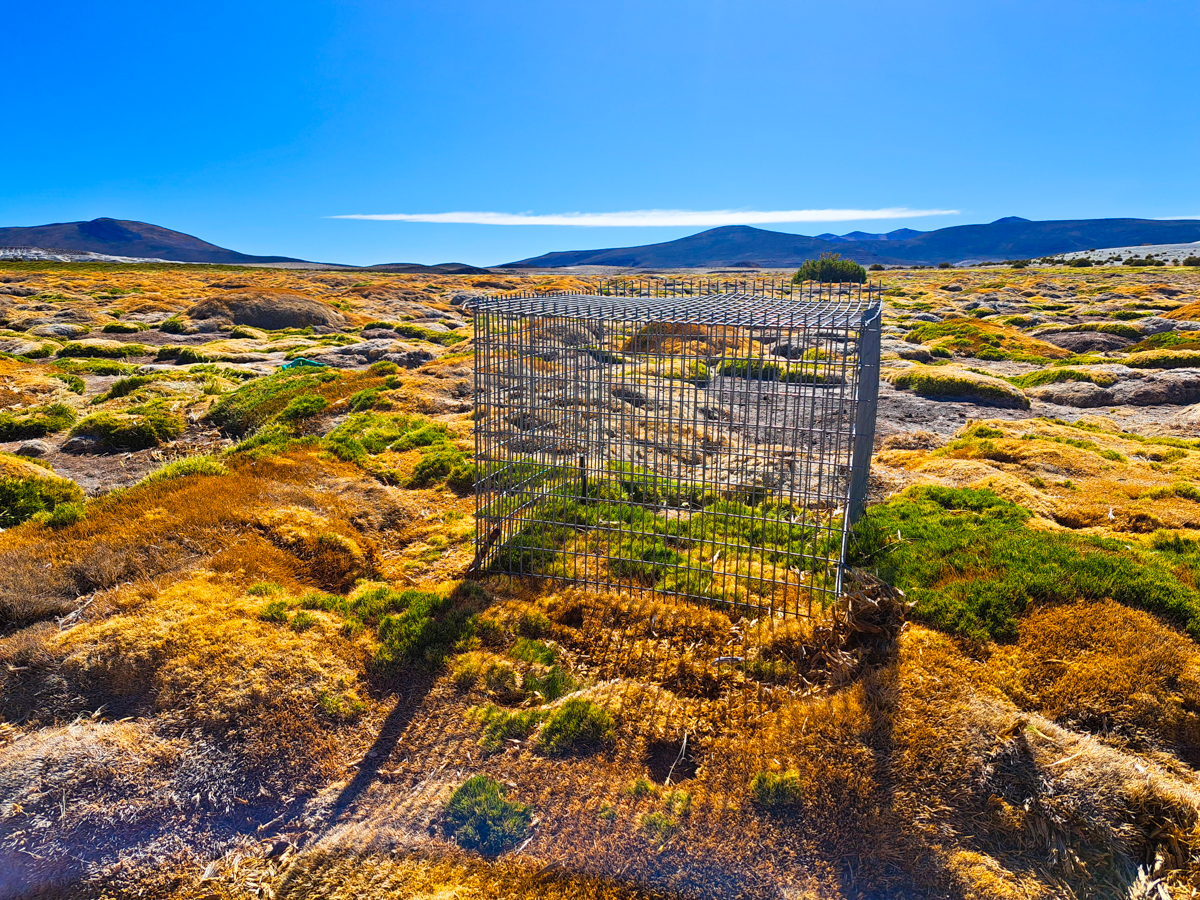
(238, 656)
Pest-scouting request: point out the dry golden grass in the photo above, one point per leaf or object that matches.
(1089, 477)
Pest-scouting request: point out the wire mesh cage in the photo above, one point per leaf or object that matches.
(703, 439)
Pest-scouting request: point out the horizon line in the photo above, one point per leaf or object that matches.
(655, 218)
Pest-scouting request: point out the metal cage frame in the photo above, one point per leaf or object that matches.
(705, 439)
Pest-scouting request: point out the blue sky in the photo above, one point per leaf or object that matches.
(252, 124)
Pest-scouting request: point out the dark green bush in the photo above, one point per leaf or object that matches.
(425, 633)
(480, 816)
(1192, 261)
(23, 498)
(577, 726)
(303, 407)
(257, 402)
(274, 611)
(830, 267)
(122, 328)
(137, 429)
(364, 400)
(35, 422)
(436, 465)
(65, 514)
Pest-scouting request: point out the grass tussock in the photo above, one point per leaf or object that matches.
(944, 383)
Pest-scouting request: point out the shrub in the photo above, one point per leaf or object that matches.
(173, 325)
(1055, 376)
(257, 402)
(943, 265)
(303, 407)
(875, 267)
(424, 633)
(1192, 261)
(424, 434)
(139, 428)
(777, 791)
(383, 367)
(302, 621)
(576, 726)
(65, 514)
(22, 498)
(830, 267)
(364, 400)
(500, 725)
(122, 328)
(264, 589)
(35, 422)
(480, 816)
(274, 611)
(435, 466)
(445, 338)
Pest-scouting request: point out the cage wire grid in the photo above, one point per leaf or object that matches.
(703, 439)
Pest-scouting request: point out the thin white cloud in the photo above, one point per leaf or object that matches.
(659, 217)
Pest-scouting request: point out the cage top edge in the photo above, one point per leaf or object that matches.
(699, 301)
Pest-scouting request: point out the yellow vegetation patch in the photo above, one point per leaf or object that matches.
(198, 652)
(336, 554)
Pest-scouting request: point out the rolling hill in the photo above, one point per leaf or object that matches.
(1008, 238)
(121, 237)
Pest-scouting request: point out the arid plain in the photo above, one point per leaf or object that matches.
(240, 657)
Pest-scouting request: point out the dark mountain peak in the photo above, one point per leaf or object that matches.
(124, 237)
(108, 231)
(1009, 238)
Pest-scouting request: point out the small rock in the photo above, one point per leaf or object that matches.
(916, 354)
(926, 317)
(81, 443)
(60, 330)
(1079, 394)
(1156, 325)
(952, 287)
(1178, 388)
(34, 448)
(1087, 341)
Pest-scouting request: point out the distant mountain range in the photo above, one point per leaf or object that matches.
(139, 240)
(734, 245)
(1008, 238)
